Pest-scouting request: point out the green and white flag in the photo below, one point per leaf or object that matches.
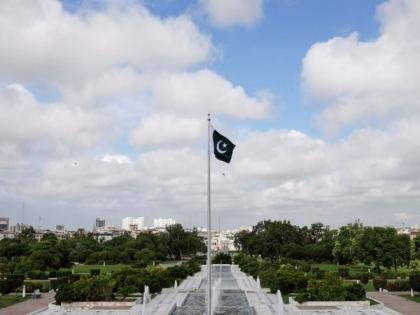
(223, 147)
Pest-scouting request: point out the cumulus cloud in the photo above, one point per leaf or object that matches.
(205, 91)
(230, 13)
(363, 80)
(28, 126)
(164, 129)
(41, 41)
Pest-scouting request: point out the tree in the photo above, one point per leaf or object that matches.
(27, 234)
(179, 242)
(345, 247)
(383, 247)
(144, 257)
(416, 242)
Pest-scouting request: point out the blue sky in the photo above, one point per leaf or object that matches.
(319, 96)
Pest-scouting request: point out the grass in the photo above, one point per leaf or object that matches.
(415, 298)
(102, 268)
(7, 300)
(353, 269)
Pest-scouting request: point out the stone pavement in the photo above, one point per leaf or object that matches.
(396, 303)
(28, 306)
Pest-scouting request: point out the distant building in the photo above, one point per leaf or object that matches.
(411, 232)
(4, 224)
(99, 223)
(59, 227)
(133, 224)
(162, 223)
(19, 227)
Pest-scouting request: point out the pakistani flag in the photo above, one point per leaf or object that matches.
(223, 147)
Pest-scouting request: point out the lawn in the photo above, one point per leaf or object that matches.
(7, 300)
(102, 268)
(353, 269)
(415, 298)
(368, 287)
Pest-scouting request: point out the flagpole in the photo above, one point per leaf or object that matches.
(208, 222)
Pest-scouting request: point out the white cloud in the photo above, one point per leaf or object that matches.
(41, 41)
(274, 174)
(167, 129)
(28, 126)
(205, 91)
(116, 158)
(363, 80)
(228, 13)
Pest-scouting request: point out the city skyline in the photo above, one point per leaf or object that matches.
(103, 117)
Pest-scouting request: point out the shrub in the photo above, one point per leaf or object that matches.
(306, 267)
(415, 282)
(193, 266)
(343, 272)
(251, 267)
(268, 278)
(63, 273)
(222, 258)
(178, 272)
(315, 269)
(144, 257)
(53, 274)
(318, 273)
(379, 283)
(355, 292)
(37, 275)
(16, 280)
(398, 285)
(363, 277)
(288, 280)
(55, 283)
(74, 277)
(65, 293)
(5, 286)
(95, 272)
(328, 289)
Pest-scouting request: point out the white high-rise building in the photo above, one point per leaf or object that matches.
(162, 223)
(133, 224)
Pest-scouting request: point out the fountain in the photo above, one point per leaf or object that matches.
(280, 303)
(145, 298)
(215, 294)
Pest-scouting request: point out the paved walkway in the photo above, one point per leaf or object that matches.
(28, 306)
(396, 303)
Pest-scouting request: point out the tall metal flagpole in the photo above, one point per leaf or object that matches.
(208, 223)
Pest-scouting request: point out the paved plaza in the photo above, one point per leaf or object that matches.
(396, 302)
(28, 306)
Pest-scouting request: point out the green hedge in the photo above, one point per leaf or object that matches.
(37, 275)
(343, 272)
(415, 282)
(398, 285)
(379, 283)
(6, 286)
(363, 277)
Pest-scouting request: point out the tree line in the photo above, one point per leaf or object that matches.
(24, 254)
(350, 244)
